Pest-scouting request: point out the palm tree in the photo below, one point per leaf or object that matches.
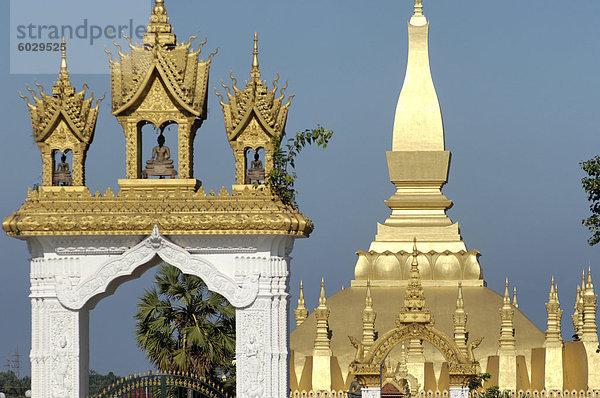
(183, 327)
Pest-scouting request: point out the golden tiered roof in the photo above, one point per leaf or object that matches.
(255, 99)
(64, 101)
(185, 78)
(254, 118)
(64, 120)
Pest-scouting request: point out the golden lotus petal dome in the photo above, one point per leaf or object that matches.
(472, 269)
(424, 266)
(447, 267)
(362, 268)
(387, 267)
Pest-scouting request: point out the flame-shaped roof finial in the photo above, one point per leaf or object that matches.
(255, 72)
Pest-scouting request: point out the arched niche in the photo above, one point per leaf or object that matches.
(366, 367)
(151, 137)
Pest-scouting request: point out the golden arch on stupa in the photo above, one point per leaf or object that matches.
(366, 368)
(414, 322)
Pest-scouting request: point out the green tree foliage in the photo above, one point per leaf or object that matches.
(98, 382)
(182, 326)
(13, 386)
(280, 179)
(591, 185)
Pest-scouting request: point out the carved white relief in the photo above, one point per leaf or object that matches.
(62, 341)
(155, 244)
(251, 332)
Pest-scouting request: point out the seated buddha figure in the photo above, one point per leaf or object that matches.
(256, 172)
(160, 164)
(62, 175)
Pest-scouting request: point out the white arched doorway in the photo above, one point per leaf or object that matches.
(70, 275)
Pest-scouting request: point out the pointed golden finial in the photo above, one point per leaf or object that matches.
(460, 322)
(582, 280)
(63, 57)
(301, 312)
(515, 302)
(415, 253)
(322, 344)
(255, 72)
(506, 294)
(368, 319)
(589, 283)
(322, 297)
(418, 19)
(368, 298)
(460, 302)
(552, 289)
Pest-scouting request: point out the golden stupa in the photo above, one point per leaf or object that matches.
(515, 352)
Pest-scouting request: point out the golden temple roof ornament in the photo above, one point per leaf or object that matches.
(255, 71)
(64, 121)
(301, 312)
(589, 329)
(322, 343)
(554, 312)
(159, 30)
(460, 322)
(515, 302)
(160, 82)
(507, 332)
(368, 319)
(577, 316)
(254, 118)
(415, 309)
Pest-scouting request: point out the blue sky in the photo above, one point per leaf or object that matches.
(518, 85)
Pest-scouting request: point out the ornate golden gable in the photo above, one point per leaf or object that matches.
(63, 121)
(253, 117)
(160, 82)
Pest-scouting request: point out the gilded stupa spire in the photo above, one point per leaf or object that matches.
(554, 312)
(589, 329)
(507, 312)
(301, 312)
(368, 319)
(255, 71)
(159, 30)
(418, 166)
(322, 344)
(460, 322)
(63, 75)
(418, 19)
(515, 302)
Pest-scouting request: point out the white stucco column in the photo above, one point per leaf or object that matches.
(262, 334)
(372, 392)
(59, 350)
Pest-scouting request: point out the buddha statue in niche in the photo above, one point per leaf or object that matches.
(160, 164)
(256, 172)
(62, 175)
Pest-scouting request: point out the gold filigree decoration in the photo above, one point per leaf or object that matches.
(176, 206)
